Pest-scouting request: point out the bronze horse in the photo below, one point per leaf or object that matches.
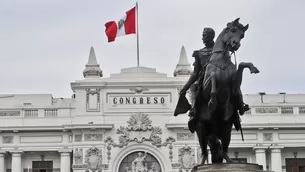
(220, 94)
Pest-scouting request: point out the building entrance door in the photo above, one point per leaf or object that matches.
(42, 166)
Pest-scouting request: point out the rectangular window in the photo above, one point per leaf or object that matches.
(42, 166)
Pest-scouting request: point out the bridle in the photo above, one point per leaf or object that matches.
(222, 53)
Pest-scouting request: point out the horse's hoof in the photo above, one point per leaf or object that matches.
(203, 160)
(254, 70)
(227, 158)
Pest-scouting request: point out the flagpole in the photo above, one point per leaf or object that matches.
(138, 54)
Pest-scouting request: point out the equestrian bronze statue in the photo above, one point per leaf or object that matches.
(218, 100)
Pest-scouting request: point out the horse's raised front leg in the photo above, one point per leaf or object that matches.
(237, 83)
(240, 70)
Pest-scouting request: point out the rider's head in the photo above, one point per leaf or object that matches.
(140, 154)
(208, 35)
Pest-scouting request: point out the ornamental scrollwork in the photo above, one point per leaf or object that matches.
(139, 130)
(139, 122)
(187, 158)
(93, 158)
(9, 113)
(138, 90)
(78, 156)
(8, 139)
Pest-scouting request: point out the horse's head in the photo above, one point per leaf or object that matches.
(234, 33)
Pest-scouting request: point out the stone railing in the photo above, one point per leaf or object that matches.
(277, 110)
(30, 113)
(50, 113)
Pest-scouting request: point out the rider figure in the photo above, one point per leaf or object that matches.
(202, 56)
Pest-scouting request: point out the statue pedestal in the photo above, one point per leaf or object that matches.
(229, 167)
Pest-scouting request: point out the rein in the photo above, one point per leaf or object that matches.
(222, 53)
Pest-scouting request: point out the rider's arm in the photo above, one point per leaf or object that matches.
(194, 75)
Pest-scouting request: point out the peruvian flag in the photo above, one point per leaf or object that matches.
(124, 26)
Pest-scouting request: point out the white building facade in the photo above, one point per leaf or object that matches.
(125, 122)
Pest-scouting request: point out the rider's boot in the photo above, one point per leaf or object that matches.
(242, 107)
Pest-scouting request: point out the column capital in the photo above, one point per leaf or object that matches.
(16, 152)
(260, 148)
(2, 152)
(276, 149)
(65, 150)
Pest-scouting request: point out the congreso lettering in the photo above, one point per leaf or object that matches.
(138, 100)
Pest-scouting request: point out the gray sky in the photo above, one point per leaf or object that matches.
(44, 45)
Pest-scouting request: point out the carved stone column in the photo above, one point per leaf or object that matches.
(2, 161)
(65, 165)
(276, 158)
(16, 160)
(260, 153)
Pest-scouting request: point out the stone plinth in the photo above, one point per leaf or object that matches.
(230, 167)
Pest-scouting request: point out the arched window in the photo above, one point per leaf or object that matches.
(140, 162)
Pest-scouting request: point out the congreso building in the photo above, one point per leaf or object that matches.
(125, 123)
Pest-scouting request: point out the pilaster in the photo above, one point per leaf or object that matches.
(16, 160)
(260, 154)
(2, 160)
(65, 164)
(276, 158)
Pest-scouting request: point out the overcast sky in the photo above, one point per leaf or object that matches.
(44, 44)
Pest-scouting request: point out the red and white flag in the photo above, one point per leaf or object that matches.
(122, 27)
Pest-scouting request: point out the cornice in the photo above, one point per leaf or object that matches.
(248, 126)
(57, 128)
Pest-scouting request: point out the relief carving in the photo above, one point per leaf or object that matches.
(185, 136)
(9, 113)
(187, 158)
(78, 156)
(170, 140)
(8, 139)
(78, 138)
(139, 130)
(268, 137)
(93, 137)
(138, 90)
(93, 158)
(199, 155)
(85, 166)
(176, 165)
(139, 123)
(266, 110)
